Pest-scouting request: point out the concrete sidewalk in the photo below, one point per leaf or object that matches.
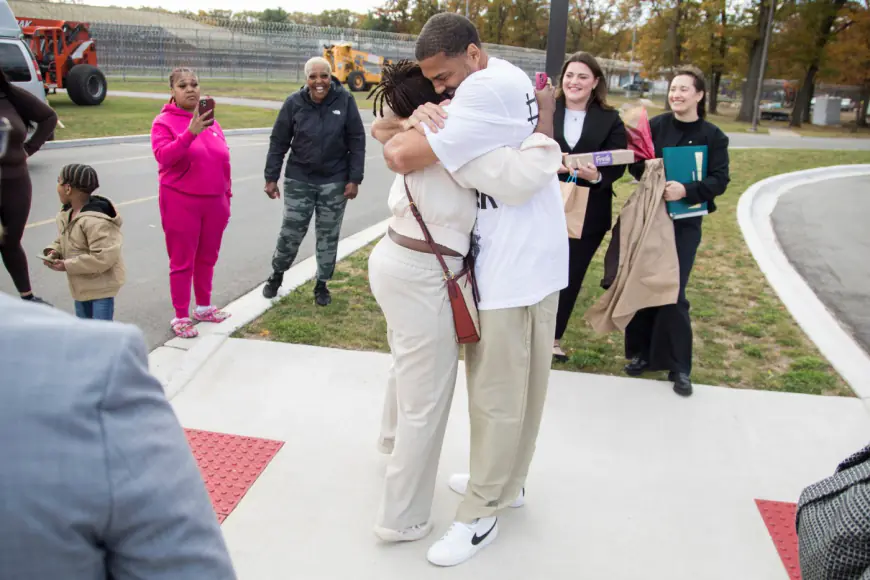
(630, 481)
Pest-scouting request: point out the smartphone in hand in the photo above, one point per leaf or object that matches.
(47, 259)
(206, 104)
(540, 80)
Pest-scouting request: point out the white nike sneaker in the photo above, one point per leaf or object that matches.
(411, 534)
(462, 541)
(459, 483)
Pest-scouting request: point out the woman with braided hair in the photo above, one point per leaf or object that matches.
(88, 244)
(408, 283)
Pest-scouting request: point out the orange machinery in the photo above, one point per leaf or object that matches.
(67, 58)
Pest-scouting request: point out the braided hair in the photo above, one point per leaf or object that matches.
(402, 89)
(173, 77)
(80, 177)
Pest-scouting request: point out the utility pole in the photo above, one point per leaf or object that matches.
(757, 105)
(557, 34)
(631, 62)
(466, 8)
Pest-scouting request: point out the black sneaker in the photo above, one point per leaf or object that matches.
(36, 300)
(321, 294)
(270, 290)
(682, 383)
(636, 367)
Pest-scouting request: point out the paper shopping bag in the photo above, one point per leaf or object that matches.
(575, 199)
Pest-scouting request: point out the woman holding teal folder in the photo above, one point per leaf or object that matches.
(660, 339)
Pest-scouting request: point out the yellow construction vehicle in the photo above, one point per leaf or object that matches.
(359, 70)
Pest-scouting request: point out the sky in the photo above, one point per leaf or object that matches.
(239, 5)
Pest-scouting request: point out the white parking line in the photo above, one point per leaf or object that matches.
(121, 160)
(134, 201)
(121, 204)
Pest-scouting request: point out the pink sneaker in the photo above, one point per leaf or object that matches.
(211, 314)
(184, 328)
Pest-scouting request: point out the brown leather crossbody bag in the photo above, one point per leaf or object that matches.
(461, 287)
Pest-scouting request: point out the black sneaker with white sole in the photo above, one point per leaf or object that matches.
(462, 541)
(270, 290)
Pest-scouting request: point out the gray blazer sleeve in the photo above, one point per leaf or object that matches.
(161, 525)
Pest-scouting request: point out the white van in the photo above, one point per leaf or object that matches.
(15, 57)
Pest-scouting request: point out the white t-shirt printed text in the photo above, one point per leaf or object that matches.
(523, 249)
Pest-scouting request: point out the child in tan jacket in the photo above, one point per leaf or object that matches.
(88, 245)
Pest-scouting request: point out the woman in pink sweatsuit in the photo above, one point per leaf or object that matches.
(195, 191)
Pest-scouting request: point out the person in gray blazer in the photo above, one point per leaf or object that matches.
(97, 479)
(833, 523)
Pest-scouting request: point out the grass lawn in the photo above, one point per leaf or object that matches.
(123, 116)
(744, 336)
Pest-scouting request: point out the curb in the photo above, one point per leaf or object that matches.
(177, 362)
(70, 143)
(753, 215)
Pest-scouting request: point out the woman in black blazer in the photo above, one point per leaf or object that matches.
(585, 123)
(660, 339)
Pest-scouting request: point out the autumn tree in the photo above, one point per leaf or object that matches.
(708, 44)
(815, 28)
(274, 15)
(340, 18)
(496, 21)
(594, 26)
(851, 51)
(760, 17)
(661, 39)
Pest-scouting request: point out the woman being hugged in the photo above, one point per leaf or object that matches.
(195, 191)
(585, 123)
(408, 283)
(660, 339)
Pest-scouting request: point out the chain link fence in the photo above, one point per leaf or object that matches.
(146, 44)
(271, 52)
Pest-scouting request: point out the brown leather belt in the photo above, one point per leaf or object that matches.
(419, 245)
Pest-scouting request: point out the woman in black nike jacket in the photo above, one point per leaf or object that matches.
(322, 124)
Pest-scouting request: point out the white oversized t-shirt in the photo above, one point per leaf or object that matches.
(523, 249)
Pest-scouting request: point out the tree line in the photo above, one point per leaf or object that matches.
(813, 41)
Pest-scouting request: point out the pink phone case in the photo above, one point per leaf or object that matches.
(540, 80)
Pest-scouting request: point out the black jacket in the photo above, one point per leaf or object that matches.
(602, 131)
(669, 132)
(328, 139)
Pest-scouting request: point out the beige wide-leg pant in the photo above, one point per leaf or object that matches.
(410, 289)
(507, 373)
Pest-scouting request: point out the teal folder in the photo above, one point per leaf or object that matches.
(685, 165)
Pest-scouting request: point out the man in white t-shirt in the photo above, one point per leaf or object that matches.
(521, 267)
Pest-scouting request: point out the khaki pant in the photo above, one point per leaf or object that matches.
(410, 289)
(507, 372)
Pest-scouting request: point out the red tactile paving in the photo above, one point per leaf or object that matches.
(230, 464)
(779, 517)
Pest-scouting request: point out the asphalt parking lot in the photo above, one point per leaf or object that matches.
(128, 175)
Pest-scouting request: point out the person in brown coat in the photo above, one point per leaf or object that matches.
(88, 245)
(660, 339)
